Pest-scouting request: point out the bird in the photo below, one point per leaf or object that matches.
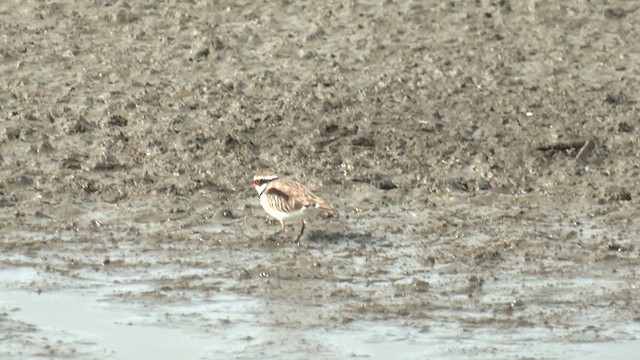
(288, 200)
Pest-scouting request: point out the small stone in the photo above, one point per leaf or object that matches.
(625, 127)
(387, 184)
(118, 120)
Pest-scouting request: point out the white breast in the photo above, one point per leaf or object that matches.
(285, 216)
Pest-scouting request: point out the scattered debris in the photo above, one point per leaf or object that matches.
(563, 145)
(615, 193)
(584, 147)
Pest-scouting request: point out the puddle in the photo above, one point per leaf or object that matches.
(88, 323)
(83, 323)
(96, 328)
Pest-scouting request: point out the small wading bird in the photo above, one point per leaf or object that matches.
(287, 200)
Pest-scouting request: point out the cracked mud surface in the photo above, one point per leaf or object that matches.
(483, 157)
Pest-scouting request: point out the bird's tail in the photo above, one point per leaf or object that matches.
(328, 208)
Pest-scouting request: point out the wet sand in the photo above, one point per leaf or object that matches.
(483, 157)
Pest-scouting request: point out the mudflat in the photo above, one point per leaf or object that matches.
(483, 156)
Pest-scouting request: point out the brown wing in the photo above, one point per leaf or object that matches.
(280, 200)
(292, 195)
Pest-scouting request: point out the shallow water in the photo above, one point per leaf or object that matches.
(87, 324)
(139, 289)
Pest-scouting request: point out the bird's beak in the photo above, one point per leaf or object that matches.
(253, 186)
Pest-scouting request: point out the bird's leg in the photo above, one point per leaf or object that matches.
(301, 232)
(281, 229)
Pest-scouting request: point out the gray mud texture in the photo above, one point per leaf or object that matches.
(483, 155)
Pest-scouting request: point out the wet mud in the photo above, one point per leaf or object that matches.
(483, 156)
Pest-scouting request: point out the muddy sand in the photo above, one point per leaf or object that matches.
(484, 158)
